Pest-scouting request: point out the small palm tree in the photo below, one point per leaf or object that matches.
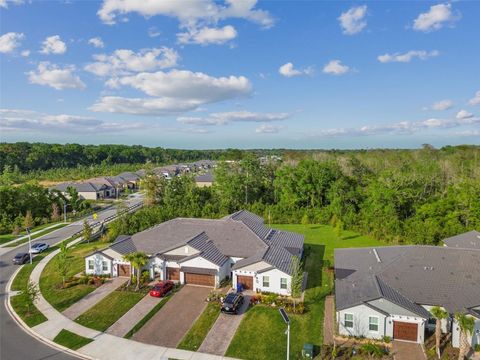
(138, 260)
(466, 325)
(439, 314)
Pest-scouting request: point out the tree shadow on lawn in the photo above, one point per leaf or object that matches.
(350, 237)
(314, 263)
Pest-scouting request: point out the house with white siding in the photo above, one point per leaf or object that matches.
(205, 252)
(389, 291)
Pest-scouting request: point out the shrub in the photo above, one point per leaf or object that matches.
(373, 350)
(477, 348)
(387, 339)
(145, 279)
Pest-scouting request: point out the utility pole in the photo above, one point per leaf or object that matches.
(29, 244)
(64, 211)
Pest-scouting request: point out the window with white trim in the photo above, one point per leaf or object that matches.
(104, 266)
(90, 265)
(373, 323)
(348, 321)
(266, 281)
(283, 283)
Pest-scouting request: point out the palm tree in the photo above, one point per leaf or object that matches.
(466, 325)
(439, 314)
(138, 260)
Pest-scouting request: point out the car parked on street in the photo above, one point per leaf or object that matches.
(39, 247)
(232, 303)
(21, 258)
(162, 288)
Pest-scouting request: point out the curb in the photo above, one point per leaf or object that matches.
(29, 330)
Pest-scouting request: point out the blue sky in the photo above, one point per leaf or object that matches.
(241, 73)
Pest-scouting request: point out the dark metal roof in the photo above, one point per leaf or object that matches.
(129, 176)
(468, 240)
(286, 239)
(207, 249)
(195, 270)
(123, 245)
(80, 187)
(254, 222)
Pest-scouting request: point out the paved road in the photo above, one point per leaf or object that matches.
(14, 342)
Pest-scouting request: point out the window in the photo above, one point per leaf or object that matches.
(266, 281)
(283, 283)
(348, 321)
(104, 266)
(90, 264)
(373, 323)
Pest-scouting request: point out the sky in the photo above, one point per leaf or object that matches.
(209, 74)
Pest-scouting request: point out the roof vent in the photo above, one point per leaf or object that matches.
(376, 255)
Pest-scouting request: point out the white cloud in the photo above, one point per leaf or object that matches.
(4, 3)
(187, 12)
(207, 35)
(28, 120)
(335, 67)
(289, 70)
(435, 18)
(353, 21)
(268, 129)
(124, 62)
(53, 45)
(25, 53)
(10, 41)
(223, 118)
(476, 99)
(443, 105)
(408, 56)
(97, 42)
(464, 114)
(153, 32)
(56, 77)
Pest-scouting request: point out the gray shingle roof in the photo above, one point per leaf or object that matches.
(207, 177)
(207, 248)
(80, 187)
(468, 240)
(108, 182)
(124, 245)
(254, 222)
(129, 176)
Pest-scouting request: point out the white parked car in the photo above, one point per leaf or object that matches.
(39, 247)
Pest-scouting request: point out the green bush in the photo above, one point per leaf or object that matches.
(387, 339)
(373, 350)
(477, 348)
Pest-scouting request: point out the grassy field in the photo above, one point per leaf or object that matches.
(197, 333)
(101, 316)
(51, 281)
(254, 337)
(71, 340)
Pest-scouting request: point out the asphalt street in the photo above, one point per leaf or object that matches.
(15, 343)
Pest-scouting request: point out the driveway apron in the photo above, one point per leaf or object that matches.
(403, 350)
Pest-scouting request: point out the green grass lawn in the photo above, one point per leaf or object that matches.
(261, 333)
(51, 281)
(197, 333)
(71, 340)
(102, 315)
(41, 233)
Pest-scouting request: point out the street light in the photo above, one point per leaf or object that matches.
(29, 244)
(287, 321)
(64, 211)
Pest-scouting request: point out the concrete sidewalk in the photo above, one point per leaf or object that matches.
(94, 297)
(104, 346)
(133, 316)
(328, 320)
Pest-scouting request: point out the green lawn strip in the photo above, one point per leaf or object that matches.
(105, 313)
(197, 333)
(261, 324)
(41, 233)
(51, 281)
(147, 317)
(9, 237)
(28, 313)
(71, 340)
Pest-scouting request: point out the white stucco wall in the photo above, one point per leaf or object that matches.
(183, 250)
(89, 195)
(361, 314)
(274, 279)
(98, 258)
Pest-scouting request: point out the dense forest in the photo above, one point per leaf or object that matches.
(400, 196)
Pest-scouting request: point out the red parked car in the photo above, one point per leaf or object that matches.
(161, 289)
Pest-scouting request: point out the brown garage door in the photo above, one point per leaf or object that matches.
(173, 274)
(200, 279)
(405, 331)
(123, 270)
(246, 281)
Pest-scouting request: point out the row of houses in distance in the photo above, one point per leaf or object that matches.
(111, 187)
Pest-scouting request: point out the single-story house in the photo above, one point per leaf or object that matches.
(86, 190)
(111, 186)
(388, 291)
(205, 252)
(132, 179)
(203, 180)
(167, 172)
(468, 240)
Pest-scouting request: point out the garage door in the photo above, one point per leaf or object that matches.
(200, 279)
(173, 274)
(123, 270)
(405, 331)
(246, 281)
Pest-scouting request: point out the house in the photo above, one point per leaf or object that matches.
(111, 186)
(203, 180)
(131, 179)
(205, 252)
(167, 172)
(388, 291)
(468, 240)
(86, 190)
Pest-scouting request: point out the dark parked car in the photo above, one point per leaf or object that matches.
(38, 248)
(161, 289)
(232, 303)
(21, 258)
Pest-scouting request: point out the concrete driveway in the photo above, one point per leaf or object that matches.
(171, 323)
(403, 350)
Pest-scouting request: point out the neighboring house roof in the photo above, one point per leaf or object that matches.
(108, 182)
(123, 245)
(141, 172)
(129, 176)
(119, 180)
(425, 275)
(80, 187)
(468, 240)
(207, 249)
(207, 177)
